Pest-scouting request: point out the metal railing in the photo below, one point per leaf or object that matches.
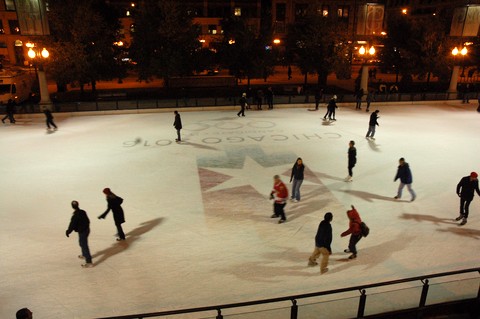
(362, 298)
(127, 104)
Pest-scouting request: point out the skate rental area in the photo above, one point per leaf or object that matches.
(197, 212)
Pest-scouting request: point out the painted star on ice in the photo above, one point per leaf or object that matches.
(251, 174)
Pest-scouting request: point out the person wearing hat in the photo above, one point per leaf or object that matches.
(81, 224)
(466, 189)
(332, 105)
(323, 242)
(243, 105)
(372, 124)
(354, 230)
(405, 175)
(280, 195)
(114, 204)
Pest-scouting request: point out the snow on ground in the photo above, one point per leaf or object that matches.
(197, 213)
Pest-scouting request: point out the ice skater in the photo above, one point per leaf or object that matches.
(297, 178)
(370, 99)
(358, 99)
(332, 105)
(243, 105)
(81, 224)
(405, 175)
(269, 98)
(355, 232)
(372, 124)
(323, 242)
(178, 125)
(318, 98)
(352, 160)
(466, 189)
(49, 119)
(114, 204)
(9, 112)
(280, 195)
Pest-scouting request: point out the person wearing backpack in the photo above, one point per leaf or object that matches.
(354, 230)
(114, 204)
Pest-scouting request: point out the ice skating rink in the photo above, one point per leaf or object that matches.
(198, 216)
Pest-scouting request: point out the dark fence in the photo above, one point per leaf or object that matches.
(119, 103)
(415, 288)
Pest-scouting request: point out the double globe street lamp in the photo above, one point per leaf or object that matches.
(38, 57)
(456, 68)
(362, 51)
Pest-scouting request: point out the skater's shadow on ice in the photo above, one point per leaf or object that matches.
(324, 175)
(374, 146)
(327, 122)
(428, 218)
(374, 255)
(465, 232)
(301, 208)
(131, 237)
(369, 197)
(199, 146)
(268, 269)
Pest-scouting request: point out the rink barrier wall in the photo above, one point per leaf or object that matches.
(95, 108)
(360, 290)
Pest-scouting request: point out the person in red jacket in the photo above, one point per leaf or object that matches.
(280, 195)
(355, 232)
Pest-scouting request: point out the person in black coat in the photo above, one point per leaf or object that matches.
(269, 98)
(352, 160)
(318, 98)
(297, 178)
(178, 125)
(81, 224)
(466, 189)
(405, 175)
(323, 242)
(332, 105)
(10, 111)
(372, 124)
(358, 99)
(49, 117)
(114, 204)
(243, 105)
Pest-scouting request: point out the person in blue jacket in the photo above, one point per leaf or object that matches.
(405, 176)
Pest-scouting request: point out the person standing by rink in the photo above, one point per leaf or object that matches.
(332, 105)
(81, 224)
(10, 111)
(178, 125)
(405, 176)
(355, 232)
(243, 104)
(269, 98)
(114, 204)
(297, 177)
(323, 242)
(466, 189)
(358, 99)
(318, 98)
(370, 99)
(49, 119)
(280, 195)
(352, 160)
(372, 124)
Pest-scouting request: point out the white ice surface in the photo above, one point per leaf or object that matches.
(197, 213)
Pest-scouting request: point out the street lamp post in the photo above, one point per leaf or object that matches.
(456, 69)
(37, 58)
(364, 79)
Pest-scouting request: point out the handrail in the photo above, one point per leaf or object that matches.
(295, 297)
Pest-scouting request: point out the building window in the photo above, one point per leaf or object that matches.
(237, 12)
(281, 11)
(10, 5)
(342, 12)
(212, 29)
(325, 10)
(301, 10)
(14, 26)
(2, 30)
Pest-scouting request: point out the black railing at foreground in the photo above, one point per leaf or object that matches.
(294, 298)
(115, 103)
